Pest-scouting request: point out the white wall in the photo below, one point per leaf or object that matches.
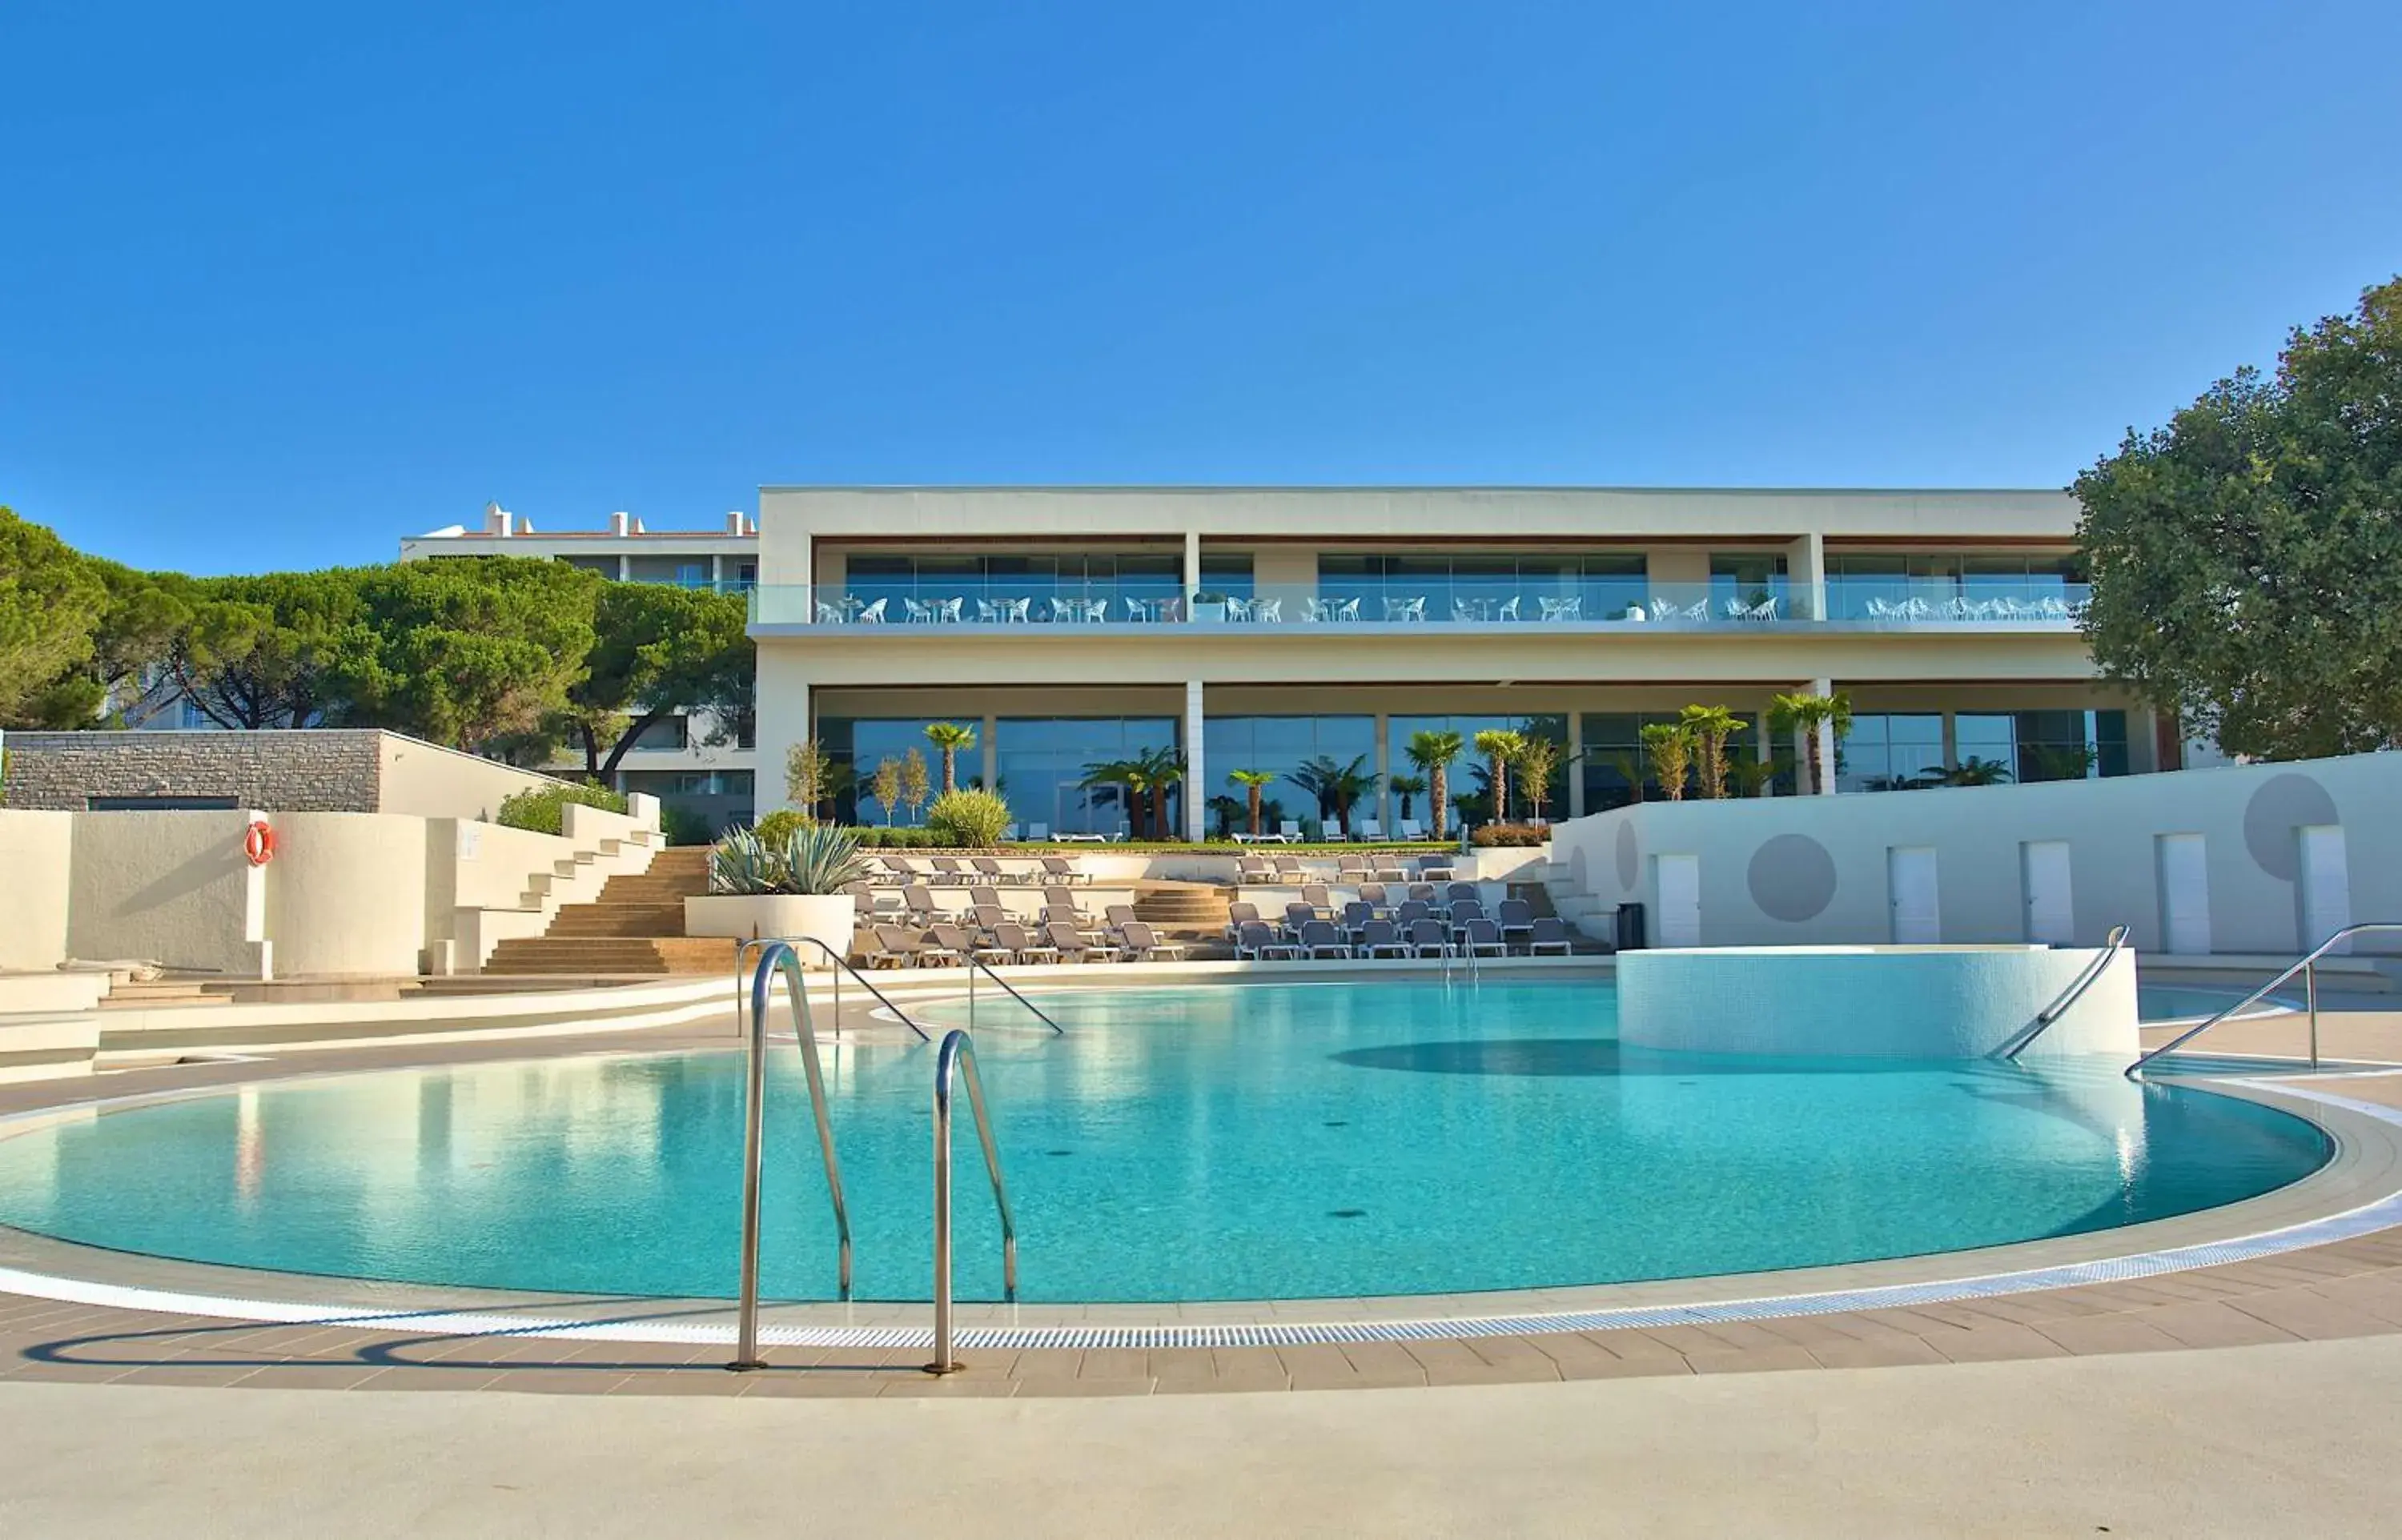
(170, 887)
(434, 782)
(36, 849)
(345, 893)
(1790, 871)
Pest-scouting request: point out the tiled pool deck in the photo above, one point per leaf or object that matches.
(2348, 1287)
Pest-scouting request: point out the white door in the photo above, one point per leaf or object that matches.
(2043, 879)
(2185, 894)
(1678, 880)
(1910, 879)
(2324, 886)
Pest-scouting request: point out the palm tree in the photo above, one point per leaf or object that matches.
(1972, 771)
(1500, 746)
(1406, 787)
(953, 740)
(1670, 749)
(1337, 786)
(1708, 727)
(1256, 783)
(1119, 776)
(1161, 769)
(1433, 752)
(1804, 713)
(1629, 764)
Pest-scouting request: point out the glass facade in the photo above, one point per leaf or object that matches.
(1471, 775)
(1042, 765)
(1954, 587)
(1283, 747)
(1902, 751)
(1599, 586)
(1890, 752)
(1050, 586)
(1614, 759)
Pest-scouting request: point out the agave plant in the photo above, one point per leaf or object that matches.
(742, 862)
(811, 860)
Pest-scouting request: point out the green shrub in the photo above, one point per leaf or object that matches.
(543, 810)
(971, 819)
(900, 837)
(781, 824)
(1498, 834)
(683, 826)
(809, 860)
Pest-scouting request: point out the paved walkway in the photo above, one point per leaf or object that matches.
(2294, 1440)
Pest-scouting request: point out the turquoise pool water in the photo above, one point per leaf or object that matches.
(1274, 1141)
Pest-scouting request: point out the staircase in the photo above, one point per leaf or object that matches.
(635, 927)
(1188, 911)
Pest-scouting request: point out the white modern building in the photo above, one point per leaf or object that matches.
(1277, 630)
(698, 764)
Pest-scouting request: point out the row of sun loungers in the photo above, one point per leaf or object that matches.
(1383, 866)
(1000, 942)
(981, 870)
(1370, 928)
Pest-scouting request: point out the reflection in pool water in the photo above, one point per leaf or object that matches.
(1207, 1143)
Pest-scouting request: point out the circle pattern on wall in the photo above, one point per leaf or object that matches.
(2281, 804)
(1628, 864)
(1792, 878)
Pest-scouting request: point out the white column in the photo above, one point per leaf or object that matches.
(989, 736)
(1808, 576)
(1825, 739)
(624, 568)
(1766, 741)
(1191, 563)
(1196, 775)
(1384, 772)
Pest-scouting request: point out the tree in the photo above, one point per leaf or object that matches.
(1629, 764)
(459, 653)
(1669, 747)
(1804, 713)
(886, 786)
(1538, 757)
(1122, 779)
(1708, 727)
(915, 783)
(1972, 771)
(51, 601)
(952, 741)
(1406, 787)
(1432, 752)
(1335, 785)
(805, 781)
(278, 650)
(658, 650)
(1161, 770)
(1255, 783)
(1498, 745)
(2247, 559)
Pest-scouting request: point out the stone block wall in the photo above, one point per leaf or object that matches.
(317, 771)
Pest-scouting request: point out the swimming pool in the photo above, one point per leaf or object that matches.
(1284, 1141)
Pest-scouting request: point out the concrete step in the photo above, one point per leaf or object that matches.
(606, 956)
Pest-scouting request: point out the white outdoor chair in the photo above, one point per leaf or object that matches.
(916, 613)
(1571, 607)
(829, 615)
(1371, 828)
(1289, 830)
(1508, 609)
(1411, 829)
(873, 615)
(1405, 610)
(1267, 611)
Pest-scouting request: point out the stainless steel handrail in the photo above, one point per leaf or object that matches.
(2074, 993)
(779, 957)
(977, 965)
(2307, 966)
(842, 965)
(958, 1056)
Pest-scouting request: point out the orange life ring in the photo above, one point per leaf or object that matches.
(258, 843)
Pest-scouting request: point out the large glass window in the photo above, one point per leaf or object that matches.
(1287, 747)
(855, 746)
(1616, 770)
(1944, 586)
(1045, 762)
(1471, 774)
(1890, 752)
(1484, 587)
(1107, 579)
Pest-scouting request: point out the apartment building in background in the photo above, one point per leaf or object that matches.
(1275, 629)
(699, 763)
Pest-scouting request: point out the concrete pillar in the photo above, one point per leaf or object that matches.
(1951, 741)
(1806, 577)
(1825, 738)
(1576, 763)
(1383, 766)
(1191, 563)
(1765, 742)
(1196, 774)
(987, 744)
(624, 568)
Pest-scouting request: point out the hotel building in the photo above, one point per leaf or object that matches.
(698, 764)
(1265, 629)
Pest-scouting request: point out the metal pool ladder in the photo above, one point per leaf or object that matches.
(976, 966)
(841, 966)
(2307, 966)
(779, 957)
(2074, 993)
(958, 1057)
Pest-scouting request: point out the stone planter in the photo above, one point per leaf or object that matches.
(754, 916)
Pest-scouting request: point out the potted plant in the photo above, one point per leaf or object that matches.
(786, 883)
(1209, 609)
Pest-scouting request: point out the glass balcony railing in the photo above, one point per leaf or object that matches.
(1907, 600)
(1614, 602)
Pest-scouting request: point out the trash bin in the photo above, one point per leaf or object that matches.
(1630, 927)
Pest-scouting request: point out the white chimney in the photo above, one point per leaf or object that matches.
(525, 525)
(496, 520)
(617, 523)
(733, 521)
(639, 528)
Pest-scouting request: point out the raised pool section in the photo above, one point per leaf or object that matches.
(1875, 1002)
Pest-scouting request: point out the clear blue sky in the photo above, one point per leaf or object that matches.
(280, 283)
